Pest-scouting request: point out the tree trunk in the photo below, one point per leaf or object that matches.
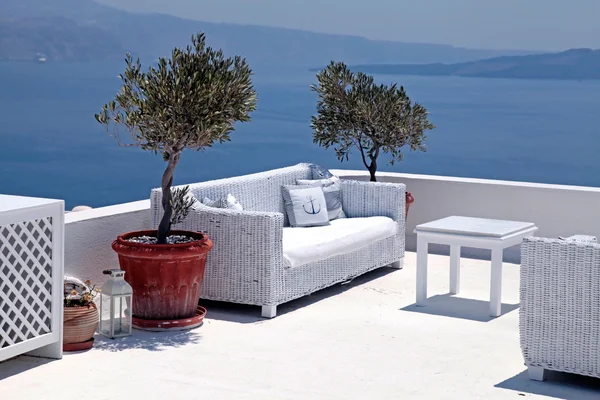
(373, 169)
(167, 181)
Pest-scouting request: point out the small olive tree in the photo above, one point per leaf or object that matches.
(189, 101)
(353, 111)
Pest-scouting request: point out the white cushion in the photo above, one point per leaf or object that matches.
(233, 203)
(345, 235)
(229, 201)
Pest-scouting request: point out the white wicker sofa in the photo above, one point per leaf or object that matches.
(559, 315)
(247, 263)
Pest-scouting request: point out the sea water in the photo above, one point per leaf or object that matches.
(521, 130)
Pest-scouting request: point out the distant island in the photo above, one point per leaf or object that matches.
(84, 30)
(574, 64)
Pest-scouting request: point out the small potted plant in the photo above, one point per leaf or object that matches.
(353, 111)
(189, 101)
(80, 314)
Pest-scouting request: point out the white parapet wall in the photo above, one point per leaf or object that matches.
(558, 210)
(90, 233)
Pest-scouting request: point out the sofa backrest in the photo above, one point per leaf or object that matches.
(255, 192)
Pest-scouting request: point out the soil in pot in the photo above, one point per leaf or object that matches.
(80, 324)
(166, 278)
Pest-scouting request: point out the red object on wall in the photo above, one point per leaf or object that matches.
(409, 200)
(166, 278)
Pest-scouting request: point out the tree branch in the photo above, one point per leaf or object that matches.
(362, 152)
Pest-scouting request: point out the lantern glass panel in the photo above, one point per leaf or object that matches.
(115, 315)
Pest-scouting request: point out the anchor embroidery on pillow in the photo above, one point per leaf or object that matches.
(311, 203)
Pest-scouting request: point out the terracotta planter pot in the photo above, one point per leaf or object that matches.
(80, 324)
(409, 200)
(166, 278)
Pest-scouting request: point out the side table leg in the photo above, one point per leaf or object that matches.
(422, 248)
(454, 269)
(496, 283)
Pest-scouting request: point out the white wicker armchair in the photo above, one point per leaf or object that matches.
(560, 306)
(246, 264)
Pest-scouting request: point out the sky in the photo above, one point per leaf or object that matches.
(493, 24)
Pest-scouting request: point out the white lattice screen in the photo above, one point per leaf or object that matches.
(25, 280)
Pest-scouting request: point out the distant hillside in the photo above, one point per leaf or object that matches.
(57, 39)
(85, 30)
(575, 64)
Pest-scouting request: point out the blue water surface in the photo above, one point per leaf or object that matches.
(522, 130)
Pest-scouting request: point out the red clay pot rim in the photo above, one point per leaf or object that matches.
(202, 241)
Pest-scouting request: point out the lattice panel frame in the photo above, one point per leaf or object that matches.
(31, 276)
(25, 280)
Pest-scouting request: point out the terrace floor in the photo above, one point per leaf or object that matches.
(363, 340)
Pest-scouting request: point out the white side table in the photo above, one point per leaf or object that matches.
(31, 276)
(457, 232)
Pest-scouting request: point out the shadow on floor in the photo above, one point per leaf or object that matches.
(246, 314)
(17, 365)
(557, 385)
(458, 307)
(151, 341)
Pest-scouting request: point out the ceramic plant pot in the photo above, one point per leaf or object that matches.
(166, 278)
(80, 324)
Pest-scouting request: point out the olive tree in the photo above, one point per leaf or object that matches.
(188, 101)
(354, 112)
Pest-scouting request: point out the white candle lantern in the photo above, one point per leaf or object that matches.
(115, 297)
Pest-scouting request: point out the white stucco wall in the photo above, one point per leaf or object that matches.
(89, 235)
(558, 210)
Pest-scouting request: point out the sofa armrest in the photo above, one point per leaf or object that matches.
(246, 262)
(371, 199)
(560, 282)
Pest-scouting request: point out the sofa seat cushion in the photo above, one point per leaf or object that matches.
(345, 235)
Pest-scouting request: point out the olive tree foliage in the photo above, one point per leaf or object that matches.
(354, 112)
(188, 101)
